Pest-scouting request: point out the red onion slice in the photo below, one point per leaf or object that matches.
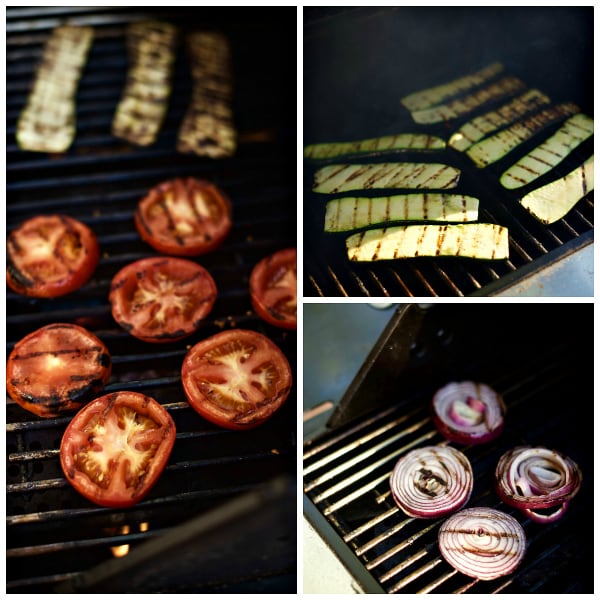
(432, 481)
(482, 542)
(468, 413)
(537, 479)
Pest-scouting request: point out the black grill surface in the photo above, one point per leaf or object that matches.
(544, 370)
(359, 63)
(53, 534)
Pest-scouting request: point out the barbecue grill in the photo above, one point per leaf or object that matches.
(222, 516)
(538, 356)
(359, 63)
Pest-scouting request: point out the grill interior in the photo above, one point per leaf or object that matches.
(53, 534)
(351, 94)
(544, 371)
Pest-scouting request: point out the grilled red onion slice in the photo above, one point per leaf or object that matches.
(432, 481)
(537, 480)
(468, 413)
(482, 542)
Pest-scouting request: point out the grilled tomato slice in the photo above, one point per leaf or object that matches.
(184, 217)
(236, 379)
(162, 299)
(273, 288)
(57, 369)
(50, 256)
(115, 448)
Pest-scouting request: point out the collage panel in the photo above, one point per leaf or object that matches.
(444, 449)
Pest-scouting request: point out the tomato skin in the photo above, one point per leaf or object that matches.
(184, 217)
(118, 430)
(50, 256)
(273, 288)
(56, 369)
(162, 299)
(236, 379)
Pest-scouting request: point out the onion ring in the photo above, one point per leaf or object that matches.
(482, 542)
(432, 481)
(468, 413)
(537, 478)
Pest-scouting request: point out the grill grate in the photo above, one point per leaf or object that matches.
(346, 479)
(53, 534)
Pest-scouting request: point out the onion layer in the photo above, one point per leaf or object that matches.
(482, 542)
(432, 481)
(468, 413)
(536, 480)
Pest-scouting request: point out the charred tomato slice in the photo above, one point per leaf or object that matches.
(273, 285)
(115, 448)
(50, 256)
(236, 379)
(162, 299)
(56, 369)
(184, 217)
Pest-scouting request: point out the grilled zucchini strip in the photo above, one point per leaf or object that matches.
(151, 46)
(553, 201)
(207, 128)
(495, 147)
(472, 240)
(47, 123)
(462, 106)
(402, 141)
(479, 127)
(550, 153)
(432, 96)
(345, 214)
(343, 178)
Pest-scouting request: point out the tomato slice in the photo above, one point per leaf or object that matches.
(273, 286)
(236, 379)
(56, 369)
(115, 448)
(50, 256)
(184, 217)
(162, 299)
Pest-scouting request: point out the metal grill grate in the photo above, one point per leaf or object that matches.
(53, 534)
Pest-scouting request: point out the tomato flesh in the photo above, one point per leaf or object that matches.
(50, 256)
(56, 369)
(236, 379)
(273, 289)
(184, 217)
(162, 299)
(115, 448)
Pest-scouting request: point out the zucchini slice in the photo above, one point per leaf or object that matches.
(550, 153)
(479, 127)
(402, 141)
(47, 123)
(345, 177)
(472, 240)
(553, 201)
(434, 95)
(346, 214)
(495, 147)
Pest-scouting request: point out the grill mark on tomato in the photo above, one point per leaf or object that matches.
(39, 353)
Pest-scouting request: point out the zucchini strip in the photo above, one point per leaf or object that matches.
(472, 240)
(553, 201)
(432, 96)
(402, 141)
(345, 214)
(342, 178)
(140, 113)
(495, 147)
(207, 128)
(462, 106)
(47, 123)
(550, 153)
(479, 127)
